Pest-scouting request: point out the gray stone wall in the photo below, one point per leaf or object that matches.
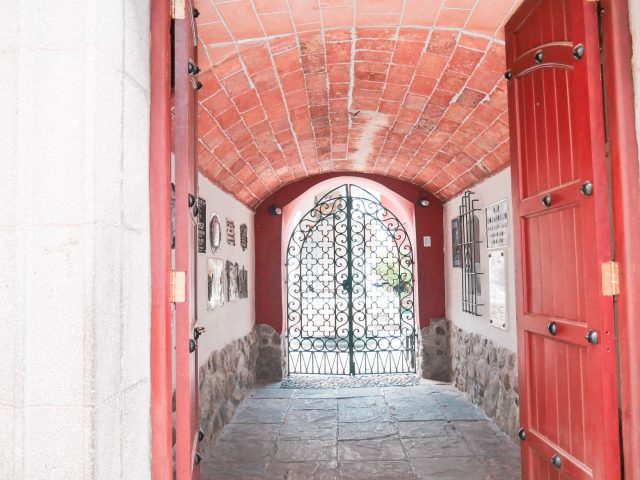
(488, 374)
(225, 379)
(436, 350)
(270, 358)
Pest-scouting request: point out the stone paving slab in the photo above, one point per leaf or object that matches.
(450, 468)
(388, 448)
(292, 431)
(270, 392)
(376, 470)
(302, 471)
(305, 450)
(413, 414)
(428, 431)
(361, 402)
(434, 447)
(364, 414)
(433, 428)
(250, 432)
(314, 404)
(366, 430)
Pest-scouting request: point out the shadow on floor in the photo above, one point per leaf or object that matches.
(428, 431)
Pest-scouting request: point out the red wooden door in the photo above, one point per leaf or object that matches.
(186, 195)
(568, 385)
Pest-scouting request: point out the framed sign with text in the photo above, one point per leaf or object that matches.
(497, 216)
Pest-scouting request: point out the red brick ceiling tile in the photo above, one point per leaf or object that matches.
(420, 12)
(270, 6)
(340, 16)
(452, 18)
(489, 15)
(299, 87)
(241, 19)
(277, 23)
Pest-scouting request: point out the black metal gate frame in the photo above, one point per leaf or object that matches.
(358, 332)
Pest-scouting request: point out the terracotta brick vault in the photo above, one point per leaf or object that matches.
(412, 89)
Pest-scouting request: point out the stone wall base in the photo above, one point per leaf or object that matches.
(225, 379)
(436, 351)
(270, 358)
(488, 374)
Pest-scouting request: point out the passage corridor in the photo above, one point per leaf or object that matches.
(428, 431)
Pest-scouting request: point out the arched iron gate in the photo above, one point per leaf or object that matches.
(350, 307)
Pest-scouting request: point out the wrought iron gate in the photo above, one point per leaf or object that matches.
(350, 307)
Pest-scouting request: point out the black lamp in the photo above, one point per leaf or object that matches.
(275, 210)
(423, 202)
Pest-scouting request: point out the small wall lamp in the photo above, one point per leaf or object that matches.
(423, 202)
(275, 210)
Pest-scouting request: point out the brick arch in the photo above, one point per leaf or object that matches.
(269, 258)
(410, 89)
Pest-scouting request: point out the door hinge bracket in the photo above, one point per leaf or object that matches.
(177, 9)
(610, 279)
(178, 287)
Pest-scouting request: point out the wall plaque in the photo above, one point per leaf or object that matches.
(244, 240)
(243, 283)
(498, 289)
(202, 225)
(216, 275)
(231, 232)
(497, 224)
(232, 281)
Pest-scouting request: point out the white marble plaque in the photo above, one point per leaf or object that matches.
(497, 224)
(498, 289)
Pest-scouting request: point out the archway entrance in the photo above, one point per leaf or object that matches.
(350, 285)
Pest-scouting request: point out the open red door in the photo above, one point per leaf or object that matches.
(186, 195)
(567, 351)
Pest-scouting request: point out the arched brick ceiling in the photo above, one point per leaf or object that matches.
(412, 89)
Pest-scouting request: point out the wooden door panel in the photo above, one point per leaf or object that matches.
(557, 375)
(568, 385)
(554, 280)
(184, 146)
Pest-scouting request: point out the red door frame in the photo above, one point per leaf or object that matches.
(160, 222)
(184, 140)
(626, 204)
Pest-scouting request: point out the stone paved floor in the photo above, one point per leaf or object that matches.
(428, 431)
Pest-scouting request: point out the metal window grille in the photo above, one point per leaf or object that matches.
(470, 250)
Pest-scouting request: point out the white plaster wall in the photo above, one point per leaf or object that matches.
(74, 231)
(232, 320)
(489, 191)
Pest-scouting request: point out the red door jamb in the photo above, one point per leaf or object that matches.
(626, 205)
(160, 212)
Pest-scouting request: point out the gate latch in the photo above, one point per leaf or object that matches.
(178, 287)
(610, 279)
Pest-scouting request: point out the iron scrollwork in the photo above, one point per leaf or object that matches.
(350, 298)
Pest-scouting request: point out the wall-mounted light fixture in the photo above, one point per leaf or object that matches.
(275, 210)
(423, 202)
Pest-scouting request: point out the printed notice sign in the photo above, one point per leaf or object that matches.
(497, 225)
(498, 289)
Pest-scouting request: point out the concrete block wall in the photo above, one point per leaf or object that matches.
(74, 230)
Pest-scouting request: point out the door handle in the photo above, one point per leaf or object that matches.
(546, 200)
(553, 328)
(556, 461)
